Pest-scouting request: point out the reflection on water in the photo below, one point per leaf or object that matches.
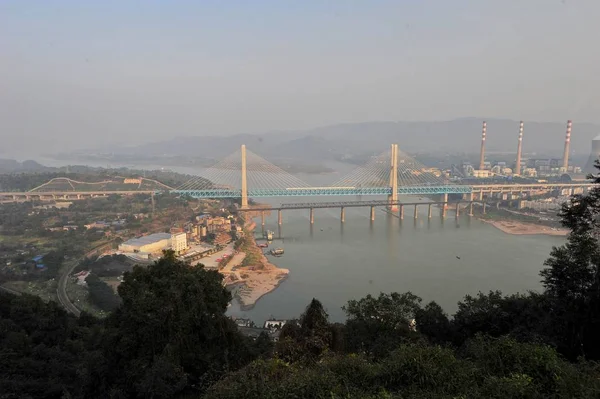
(335, 262)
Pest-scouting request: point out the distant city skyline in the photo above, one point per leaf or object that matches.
(83, 74)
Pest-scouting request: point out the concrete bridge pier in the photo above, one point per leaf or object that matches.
(429, 212)
(342, 215)
(312, 216)
(262, 218)
(372, 213)
(279, 218)
(457, 209)
(484, 208)
(444, 205)
(471, 204)
(416, 211)
(401, 212)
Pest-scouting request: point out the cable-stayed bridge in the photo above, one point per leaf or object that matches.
(244, 175)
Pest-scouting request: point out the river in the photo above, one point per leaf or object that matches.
(335, 262)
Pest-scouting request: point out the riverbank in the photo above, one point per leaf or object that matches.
(522, 228)
(249, 273)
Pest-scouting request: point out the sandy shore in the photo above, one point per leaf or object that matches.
(253, 281)
(521, 228)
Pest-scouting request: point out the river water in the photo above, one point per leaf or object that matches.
(335, 262)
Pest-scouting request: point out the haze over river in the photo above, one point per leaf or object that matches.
(335, 262)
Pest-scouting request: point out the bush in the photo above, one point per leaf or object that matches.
(101, 294)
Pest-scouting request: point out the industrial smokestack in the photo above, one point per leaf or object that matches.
(482, 155)
(519, 148)
(567, 145)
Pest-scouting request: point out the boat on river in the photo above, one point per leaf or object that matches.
(277, 252)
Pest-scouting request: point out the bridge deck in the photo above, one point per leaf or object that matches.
(350, 204)
(327, 191)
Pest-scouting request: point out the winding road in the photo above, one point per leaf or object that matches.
(61, 291)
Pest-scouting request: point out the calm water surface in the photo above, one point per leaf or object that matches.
(335, 262)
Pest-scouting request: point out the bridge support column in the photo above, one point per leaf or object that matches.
(484, 208)
(471, 204)
(457, 209)
(312, 216)
(393, 198)
(372, 213)
(429, 212)
(244, 179)
(401, 212)
(444, 204)
(262, 218)
(279, 218)
(342, 215)
(416, 211)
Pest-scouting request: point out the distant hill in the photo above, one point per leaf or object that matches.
(12, 166)
(351, 139)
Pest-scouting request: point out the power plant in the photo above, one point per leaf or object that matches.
(517, 170)
(567, 145)
(528, 167)
(482, 155)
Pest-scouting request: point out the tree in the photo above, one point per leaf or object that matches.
(378, 325)
(524, 317)
(308, 337)
(572, 277)
(43, 349)
(101, 294)
(486, 368)
(433, 322)
(171, 331)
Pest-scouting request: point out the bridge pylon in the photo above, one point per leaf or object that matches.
(244, 179)
(393, 198)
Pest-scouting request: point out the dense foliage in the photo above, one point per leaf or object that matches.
(101, 295)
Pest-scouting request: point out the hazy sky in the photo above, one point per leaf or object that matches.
(82, 72)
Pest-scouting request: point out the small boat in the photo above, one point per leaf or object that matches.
(263, 245)
(277, 252)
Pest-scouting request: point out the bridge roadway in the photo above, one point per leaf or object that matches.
(72, 195)
(299, 191)
(344, 204)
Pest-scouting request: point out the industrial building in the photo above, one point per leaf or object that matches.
(594, 155)
(149, 244)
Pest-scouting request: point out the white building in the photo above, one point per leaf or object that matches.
(152, 243)
(179, 242)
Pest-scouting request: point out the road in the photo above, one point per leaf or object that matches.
(61, 291)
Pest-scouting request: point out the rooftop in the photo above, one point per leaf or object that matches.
(149, 239)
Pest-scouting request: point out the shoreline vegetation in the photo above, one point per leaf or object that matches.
(249, 274)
